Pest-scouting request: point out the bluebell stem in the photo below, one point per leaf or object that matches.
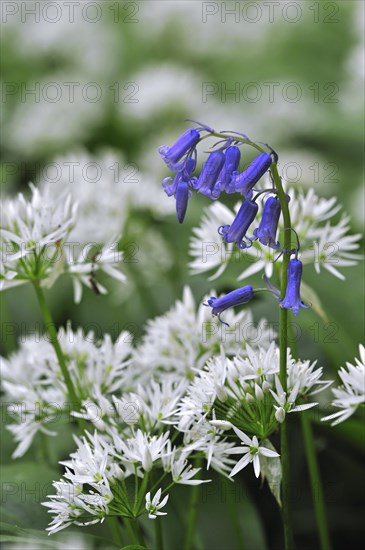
(172, 155)
(267, 229)
(232, 159)
(235, 298)
(180, 188)
(245, 181)
(236, 232)
(292, 298)
(210, 173)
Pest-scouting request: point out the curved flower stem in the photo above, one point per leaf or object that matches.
(226, 135)
(193, 512)
(50, 327)
(283, 342)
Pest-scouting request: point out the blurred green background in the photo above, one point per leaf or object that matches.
(120, 78)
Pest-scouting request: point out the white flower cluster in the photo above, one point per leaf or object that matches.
(322, 243)
(187, 409)
(350, 395)
(36, 244)
(35, 391)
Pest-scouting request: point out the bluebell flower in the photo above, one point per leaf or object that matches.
(245, 181)
(210, 173)
(232, 159)
(267, 229)
(292, 298)
(235, 298)
(236, 232)
(180, 188)
(185, 144)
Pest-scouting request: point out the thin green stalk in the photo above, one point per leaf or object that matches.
(138, 532)
(314, 473)
(50, 327)
(132, 535)
(316, 483)
(159, 534)
(193, 512)
(283, 343)
(235, 514)
(115, 531)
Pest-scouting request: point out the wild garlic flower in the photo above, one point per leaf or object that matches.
(36, 247)
(84, 494)
(35, 393)
(350, 395)
(154, 506)
(246, 391)
(32, 233)
(251, 450)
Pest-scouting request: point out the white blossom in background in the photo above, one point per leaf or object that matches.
(69, 102)
(322, 244)
(350, 395)
(99, 184)
(36, 244)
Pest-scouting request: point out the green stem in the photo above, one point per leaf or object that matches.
(283, 343)
(193, 511)
(235, 514)
(159, 534)
(115, 531)
(314, 473)
(52, 333)
(132, 535)
(138, 532)
(316, 483)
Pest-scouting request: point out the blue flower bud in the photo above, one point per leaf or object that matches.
(245, 181)
(292, 298)
(267, 229)
(236, 232)
(232, 159)
(180, 188)
(172, 155)
(210, 173)
(182, 196)
(235, 298)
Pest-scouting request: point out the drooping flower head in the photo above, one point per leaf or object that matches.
(236, 232)
(232, 159)
(292, 298)
(184, 145)
(209, 174)
(235, 298)
(267, 229)
(245, 181)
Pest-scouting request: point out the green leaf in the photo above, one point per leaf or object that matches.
(310, 297)
(134, 547)
(271, 471)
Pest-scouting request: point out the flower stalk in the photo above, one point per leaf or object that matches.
(51, 330)
(283, 343)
